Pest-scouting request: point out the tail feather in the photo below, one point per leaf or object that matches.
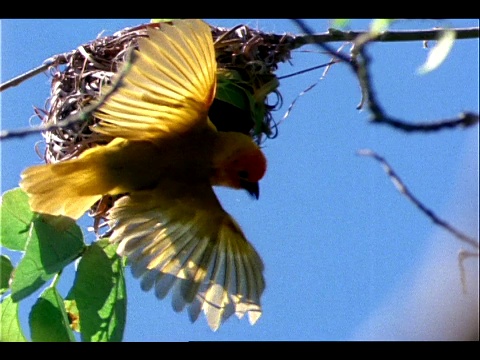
(65, 188)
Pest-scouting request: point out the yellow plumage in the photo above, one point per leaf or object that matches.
(183, 239)
(168, 89)
(166, 156)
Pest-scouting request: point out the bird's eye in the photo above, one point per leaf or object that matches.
(243, 174)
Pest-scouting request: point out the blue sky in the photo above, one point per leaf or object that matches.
(346, 256)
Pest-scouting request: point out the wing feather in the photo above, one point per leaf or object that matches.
(216, 297)
(182, 241)
(168, 85)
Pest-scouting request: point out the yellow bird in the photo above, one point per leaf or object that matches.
(165, 156)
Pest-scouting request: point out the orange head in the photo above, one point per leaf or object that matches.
(238, 163)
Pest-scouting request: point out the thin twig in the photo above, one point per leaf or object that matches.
(404, 190)
(307, 70)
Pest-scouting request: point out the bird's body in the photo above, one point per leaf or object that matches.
(165, 157)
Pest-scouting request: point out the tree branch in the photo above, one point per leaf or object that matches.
(359, 63)
(295, 42)
(333, 35)
(379, 116)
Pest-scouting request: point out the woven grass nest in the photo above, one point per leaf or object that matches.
(77, 77)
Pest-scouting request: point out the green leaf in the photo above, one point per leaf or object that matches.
(53, 243)
(379, 25)
(439, 52)
(233, 90)
(6, 269)
(230, 92)
(10, 330)
(49, 320)
(340, 23)
(15, 217)
(100, 295)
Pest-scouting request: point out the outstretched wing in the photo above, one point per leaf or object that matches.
(183, 241)
(168, 85)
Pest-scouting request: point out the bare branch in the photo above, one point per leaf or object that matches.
(404, 190)
(463, 120)
(379, 116)
(295, 42)
(333, 35)
(359, 63)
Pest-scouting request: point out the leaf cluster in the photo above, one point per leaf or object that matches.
(94, 309)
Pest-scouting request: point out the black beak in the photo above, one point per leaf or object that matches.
(251, 187)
